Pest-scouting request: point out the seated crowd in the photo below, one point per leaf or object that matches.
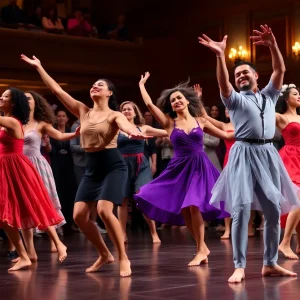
(79, 24)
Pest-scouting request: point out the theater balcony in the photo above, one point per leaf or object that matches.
(73, 61)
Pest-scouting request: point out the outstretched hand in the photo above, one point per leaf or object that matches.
(198, 89)
(144, 78)
(264, 37)
(217, 47)
(33, 62)
(139, 136)
(77, 131)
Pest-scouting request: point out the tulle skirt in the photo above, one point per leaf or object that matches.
(24, 200)
(45, 171)
(251, 165)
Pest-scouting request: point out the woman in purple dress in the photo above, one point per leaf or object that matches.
(182, 192)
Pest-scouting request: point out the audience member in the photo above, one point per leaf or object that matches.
(79, 26)
(52, 23)
(13, 15)
(119, 31)
(35, 21)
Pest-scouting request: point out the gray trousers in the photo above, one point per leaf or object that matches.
(241, 216)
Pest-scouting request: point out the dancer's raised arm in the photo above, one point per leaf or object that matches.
(9, 123)
(77, 108)
(59, 136)
(149, 130)
(265, 37)
(222, 73)
(161, 118)
(204, 114)
(212, 130)
(127, 127)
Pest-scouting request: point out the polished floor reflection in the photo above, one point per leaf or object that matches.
(159, 272)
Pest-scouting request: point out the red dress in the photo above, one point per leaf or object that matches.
(290, 155)
(24, 201)
(228, 144)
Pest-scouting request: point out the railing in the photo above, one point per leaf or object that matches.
(72, 59)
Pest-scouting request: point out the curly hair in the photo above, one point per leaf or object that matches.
(281, 105)
(112, 103)
(42, 109)
(195, 104)
(21, 109)
(138, 119)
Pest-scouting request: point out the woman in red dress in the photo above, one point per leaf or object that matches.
(288, 122)
(24, 201)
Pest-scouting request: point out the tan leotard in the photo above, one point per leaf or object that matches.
(101, 135)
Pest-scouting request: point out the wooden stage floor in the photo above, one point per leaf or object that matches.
(159, 272)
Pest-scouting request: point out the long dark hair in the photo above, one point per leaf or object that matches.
(282, 106)
(42, 110)
(21, 109)
(112, 102)
(188, 92)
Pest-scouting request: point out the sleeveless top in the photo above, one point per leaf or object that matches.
(9, 144)
(102, 135)
(130, 146)
(187, 144)
(291, 134)
(32, 143)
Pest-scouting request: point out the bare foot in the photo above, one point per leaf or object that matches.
(21, 264)
(62, 252)
(287, 252)
(125, 270)
(102, 260)
(276, 270)
(225, 236)
(32, 256)
(32, 259)
(156, 239)
(237, 276)
(200, 258)
(207, 251)
(52, 246)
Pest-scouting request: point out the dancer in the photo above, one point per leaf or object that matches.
(24, 202)
(139, 172)
(288, 122)
(105, 164)
(254, 166)
(182, 192)
(40, 122)
(227, 127)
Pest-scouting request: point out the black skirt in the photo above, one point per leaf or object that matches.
(105, 177)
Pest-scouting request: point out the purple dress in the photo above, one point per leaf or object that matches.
(187, 181)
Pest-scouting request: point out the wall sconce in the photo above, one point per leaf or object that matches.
(237, 54)
(296, 48)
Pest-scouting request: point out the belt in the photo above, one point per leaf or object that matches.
(255, 141)
(139, 160)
